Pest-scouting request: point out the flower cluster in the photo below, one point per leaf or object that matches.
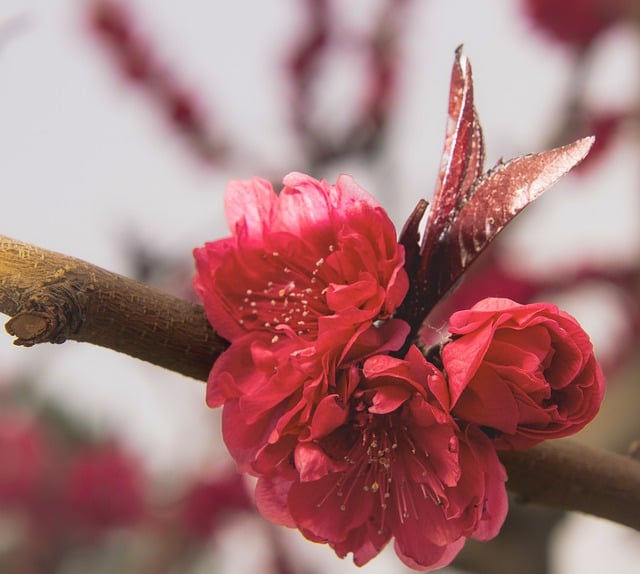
(355, 437)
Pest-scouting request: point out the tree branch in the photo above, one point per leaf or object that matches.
(573, 476)
(52, 297)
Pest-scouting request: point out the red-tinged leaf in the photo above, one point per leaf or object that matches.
(410, 238)
(495, 200)
(469, 209)
(475, 165)
(461, 166)
(462, 156)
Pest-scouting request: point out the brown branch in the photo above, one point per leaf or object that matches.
(573, 476)
(52, 297)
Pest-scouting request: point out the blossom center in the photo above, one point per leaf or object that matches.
(292, 298)
(383, 462)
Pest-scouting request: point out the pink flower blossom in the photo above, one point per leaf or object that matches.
(305, 285)
(527, 372)
(314, 259)
(382, 458)
(271, 392)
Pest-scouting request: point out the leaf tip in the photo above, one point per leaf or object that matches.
(580, 148)
(461, 61)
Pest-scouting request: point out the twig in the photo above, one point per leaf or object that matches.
(52, 297)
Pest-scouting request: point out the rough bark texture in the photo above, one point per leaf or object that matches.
(52, 297)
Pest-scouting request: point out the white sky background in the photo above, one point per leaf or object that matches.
(85, 158)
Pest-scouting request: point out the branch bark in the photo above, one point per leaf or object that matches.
(573, 476)
(52, 297)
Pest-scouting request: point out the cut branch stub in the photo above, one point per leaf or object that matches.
(48, 313)
(30, 327)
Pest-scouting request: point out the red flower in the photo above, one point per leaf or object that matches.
(382, 458)
(104, 489)
(272, 391)
(303, 289)
(313, 259)
(575, 22)
(527, 372)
